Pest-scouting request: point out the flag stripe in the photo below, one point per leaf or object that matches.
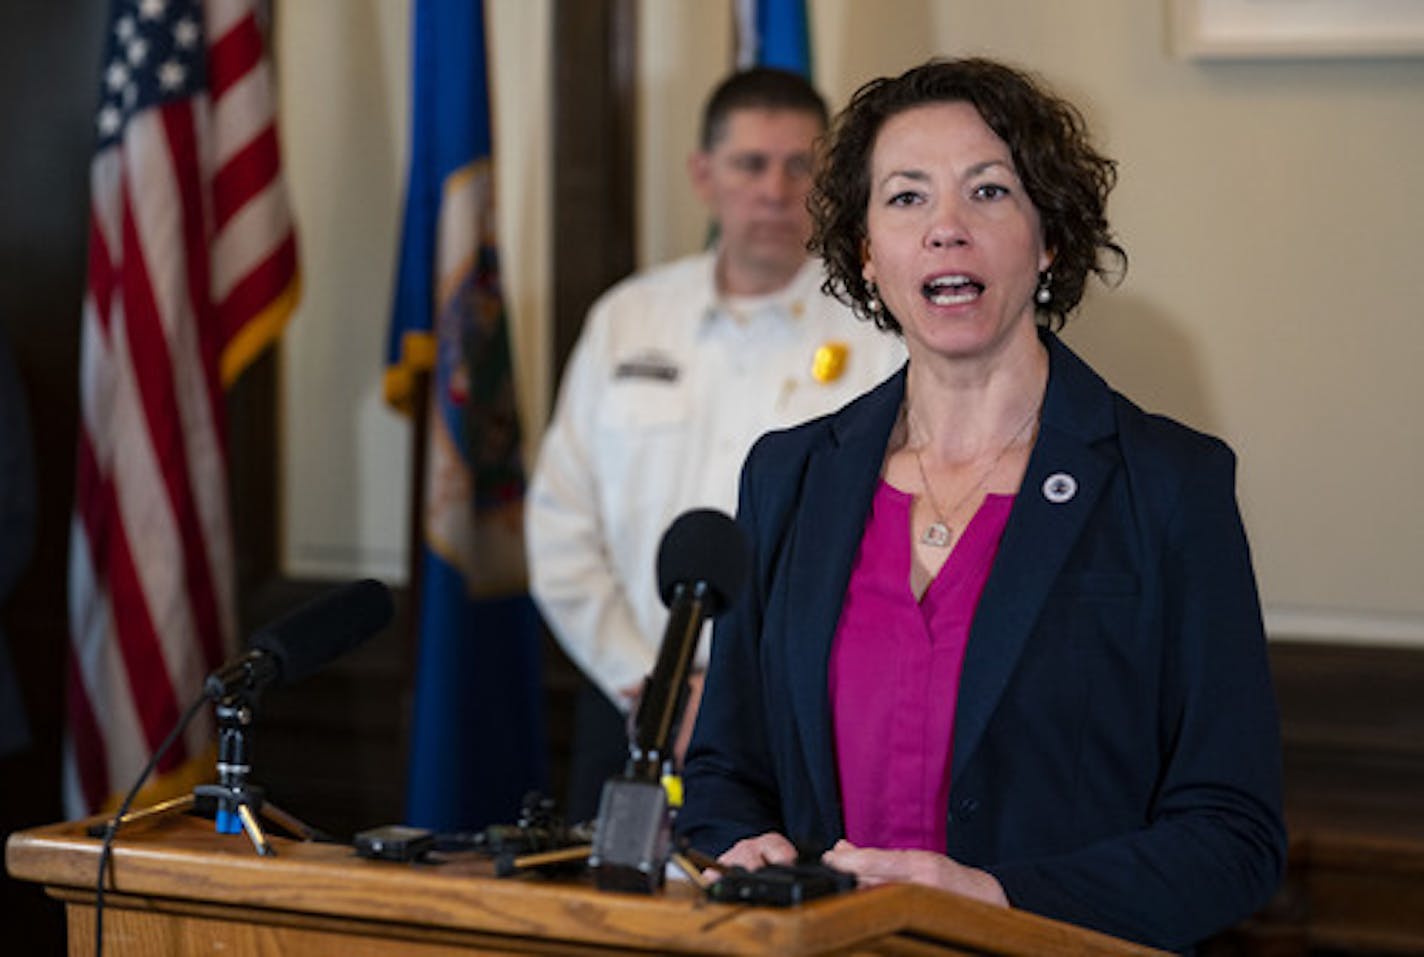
(147, 325)
(101, 267)
(86, 739)
(246, 240)
(137, 645)
(232, 54)
(106, 195)
(222, 14)
(245, 111)
(263, 282)
(251, 170)
(198, 391)
(181, 127)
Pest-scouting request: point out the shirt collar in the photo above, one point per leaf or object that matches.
(787, 304)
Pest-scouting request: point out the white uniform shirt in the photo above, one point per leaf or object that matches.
(663, 396)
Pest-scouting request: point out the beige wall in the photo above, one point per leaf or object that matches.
(1270, 210)
(344, 69)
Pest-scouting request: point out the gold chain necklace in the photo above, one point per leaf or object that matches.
(938, 533)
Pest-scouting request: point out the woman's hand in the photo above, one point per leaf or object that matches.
(872, 866)
(753, 853)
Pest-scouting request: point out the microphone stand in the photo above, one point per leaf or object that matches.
(235, 804)
(239, 803)
(633, 834)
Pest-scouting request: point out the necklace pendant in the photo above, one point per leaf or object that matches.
(936, 535)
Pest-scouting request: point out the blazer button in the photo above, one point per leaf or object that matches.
(967, 809)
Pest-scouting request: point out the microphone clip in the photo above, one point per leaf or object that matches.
(246, 675)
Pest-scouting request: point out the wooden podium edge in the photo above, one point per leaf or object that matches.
(1010, 930)
(197, 871)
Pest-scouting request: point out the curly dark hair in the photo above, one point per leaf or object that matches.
(1067, 180)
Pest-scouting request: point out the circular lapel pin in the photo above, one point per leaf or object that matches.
(1060, 487)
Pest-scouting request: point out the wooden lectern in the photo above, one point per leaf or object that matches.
(179, 888)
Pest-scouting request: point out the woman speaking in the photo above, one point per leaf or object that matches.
(1002, 634)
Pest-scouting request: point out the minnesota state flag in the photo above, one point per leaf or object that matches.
(477, 737)
(773, 33)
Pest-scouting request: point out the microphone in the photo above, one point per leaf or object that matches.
(702, 562)
(300, 643)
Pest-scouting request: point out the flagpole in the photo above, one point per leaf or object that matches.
(415, 531)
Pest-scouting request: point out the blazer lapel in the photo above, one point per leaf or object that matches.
(839, 483)
(1044, 524)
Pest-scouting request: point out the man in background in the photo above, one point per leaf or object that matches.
(677, 371)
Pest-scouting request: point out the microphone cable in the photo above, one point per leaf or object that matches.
(112, 829)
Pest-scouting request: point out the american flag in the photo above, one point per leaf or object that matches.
(192, 272)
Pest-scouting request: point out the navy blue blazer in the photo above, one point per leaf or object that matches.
(1116, 757)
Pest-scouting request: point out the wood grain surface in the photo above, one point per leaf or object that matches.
(177, 887)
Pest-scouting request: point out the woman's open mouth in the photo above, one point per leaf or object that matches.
(953, 289)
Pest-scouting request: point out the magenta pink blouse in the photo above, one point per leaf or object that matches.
(894, 674)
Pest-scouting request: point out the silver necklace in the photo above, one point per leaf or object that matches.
(938, 533)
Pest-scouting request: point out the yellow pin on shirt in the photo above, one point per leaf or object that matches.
(672, 785)
(829, 362)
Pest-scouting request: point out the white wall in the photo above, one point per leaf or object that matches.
(1271, 211)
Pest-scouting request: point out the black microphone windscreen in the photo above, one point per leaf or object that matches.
(703, 545)
(325, 628)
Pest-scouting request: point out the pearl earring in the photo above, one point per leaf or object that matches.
(872, 302)
(1044, 294)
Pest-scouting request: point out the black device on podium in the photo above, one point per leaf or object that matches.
(702, 562)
